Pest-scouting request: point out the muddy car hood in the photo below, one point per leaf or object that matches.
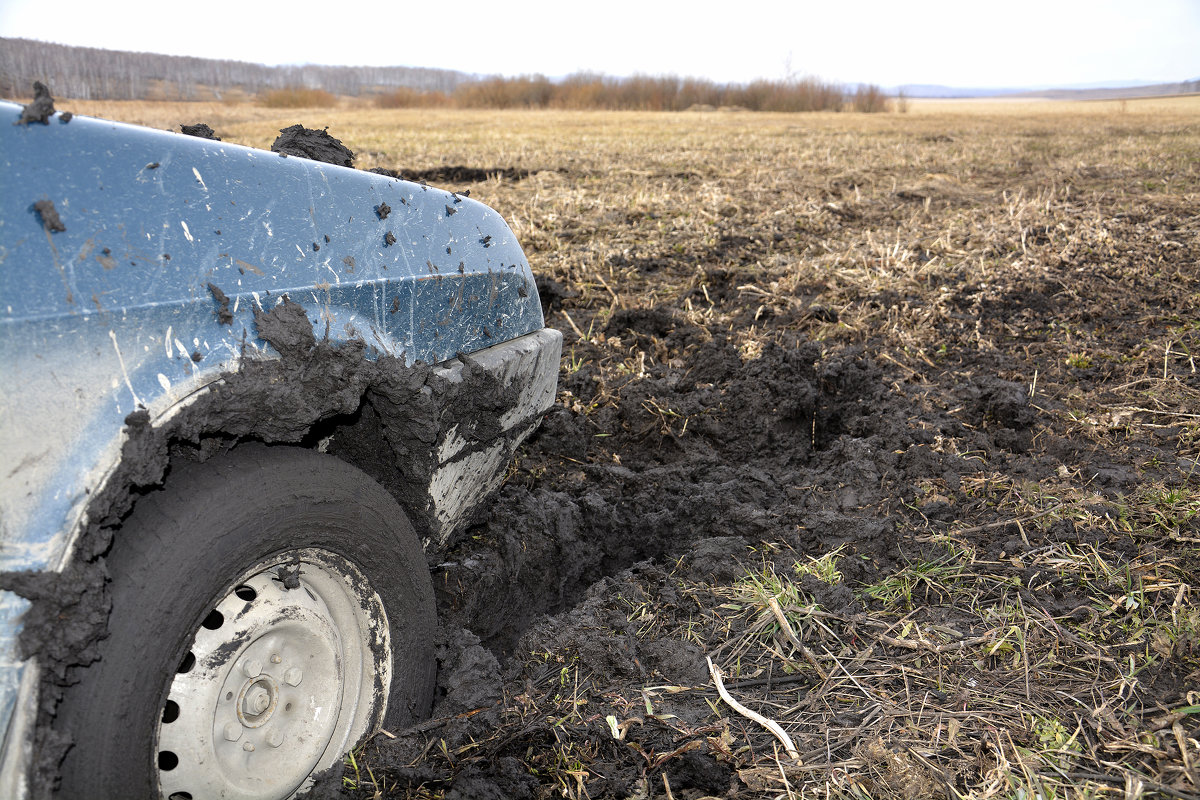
(170, 244)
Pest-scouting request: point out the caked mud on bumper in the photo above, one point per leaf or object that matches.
(438, 437)
(467, 473)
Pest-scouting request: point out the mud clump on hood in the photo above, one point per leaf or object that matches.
(41, 109)
(286, 328)
(313, 144)
(49, 215)
(224, 315)
(201, 131)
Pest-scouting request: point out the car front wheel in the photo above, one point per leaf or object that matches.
(270, 608)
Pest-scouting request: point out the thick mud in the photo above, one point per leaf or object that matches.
(782, 448)
(317, 145)
(707, 456)
(41, 109)
(200, 130)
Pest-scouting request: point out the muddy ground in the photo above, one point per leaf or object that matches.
(902, 436)
(895, 419)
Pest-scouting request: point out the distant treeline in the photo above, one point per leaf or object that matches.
(88, 73)
(644, 93)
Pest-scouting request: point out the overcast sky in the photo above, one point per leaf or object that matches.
(966, 43)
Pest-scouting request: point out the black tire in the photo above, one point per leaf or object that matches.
(184, 548)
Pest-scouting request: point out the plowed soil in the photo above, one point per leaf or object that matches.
(893, 419)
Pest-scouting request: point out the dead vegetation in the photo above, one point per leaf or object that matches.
(1024, 283)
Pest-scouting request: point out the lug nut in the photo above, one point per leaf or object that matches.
(275, 738)
(233, 731)
(293, 676)
(251, 667)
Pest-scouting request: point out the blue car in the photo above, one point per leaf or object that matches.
(245, 397)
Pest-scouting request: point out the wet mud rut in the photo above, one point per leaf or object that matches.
(714, 462)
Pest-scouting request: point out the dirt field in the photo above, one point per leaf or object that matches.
(895, 418)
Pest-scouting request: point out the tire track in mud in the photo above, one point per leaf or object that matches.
(706, 455)
(616, 504)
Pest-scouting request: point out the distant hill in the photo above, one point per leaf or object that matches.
(1118, 92)
(89, 73)
(1112, 90)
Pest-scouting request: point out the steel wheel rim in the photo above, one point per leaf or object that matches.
(288, 672)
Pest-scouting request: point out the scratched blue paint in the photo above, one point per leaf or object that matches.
(109, 315)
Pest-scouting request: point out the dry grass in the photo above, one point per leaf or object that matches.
(1049, 244)
(974, 691)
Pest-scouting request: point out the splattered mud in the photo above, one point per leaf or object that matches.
(224, 315)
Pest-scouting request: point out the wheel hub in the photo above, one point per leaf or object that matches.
(257, 701)
(274, 665)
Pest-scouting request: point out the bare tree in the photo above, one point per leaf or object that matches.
(89, 73)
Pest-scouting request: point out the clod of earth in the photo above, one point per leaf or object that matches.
(200, 130)
(49, 216)
(289, 575)
(224, 314)
(41, 109)
(312, 144)
(391, 173)
(462, 174)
